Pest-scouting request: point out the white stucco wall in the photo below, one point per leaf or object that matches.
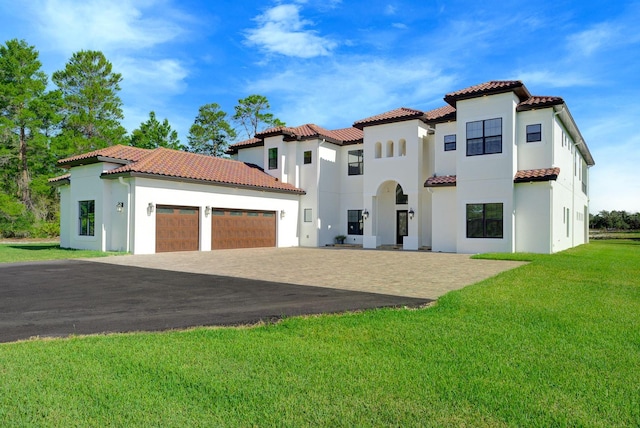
(254, 155)
(445, 217)
(538, 154)
(65, 216)
(446, 162)
(394, 165)
(533, 217)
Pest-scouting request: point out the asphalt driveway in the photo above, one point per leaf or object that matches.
(61, 298)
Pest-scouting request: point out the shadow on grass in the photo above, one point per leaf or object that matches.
(38, 247)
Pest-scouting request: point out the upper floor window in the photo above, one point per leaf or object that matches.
(534, 133)
(307, 215)
(354, 222)
(356, 162)
(86, 218)
(484, 220)
(307, 157)
(449, 142)
(484, 137)
(273, 158)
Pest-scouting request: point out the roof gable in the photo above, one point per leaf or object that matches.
(489, 88)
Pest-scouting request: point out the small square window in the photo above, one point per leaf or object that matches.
(307, 215)
(307, 157)
(534, 133)
(449, 142)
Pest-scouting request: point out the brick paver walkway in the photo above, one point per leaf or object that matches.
(401, 273)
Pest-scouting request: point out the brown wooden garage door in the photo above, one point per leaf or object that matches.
(177, 228)
(242, 229)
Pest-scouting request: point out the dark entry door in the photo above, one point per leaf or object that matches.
(402, 225)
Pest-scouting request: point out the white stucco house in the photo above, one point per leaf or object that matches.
(495, 169)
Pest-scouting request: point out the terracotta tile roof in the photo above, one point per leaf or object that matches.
(537, 101)
(528, 175)
(446, 112)
(252, 142)
(397, 115)
(488, 88)
(164, 162)
(120, 154)
(441, 181)
(349, 135)
(311, 131)
(522, 176)
(62, 179)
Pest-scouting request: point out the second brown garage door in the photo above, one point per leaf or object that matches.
(242, 229)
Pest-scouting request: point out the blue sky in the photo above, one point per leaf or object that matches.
(332, 62)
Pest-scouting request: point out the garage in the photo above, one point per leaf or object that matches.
(242, 229)
(177, 228)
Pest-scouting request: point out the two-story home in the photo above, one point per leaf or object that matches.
(494, 170)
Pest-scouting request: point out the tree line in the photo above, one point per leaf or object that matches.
(39, 125)
(615, 220)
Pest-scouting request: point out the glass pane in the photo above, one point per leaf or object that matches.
(307, 215)
(252, 214)
(401, 198)
(268, 214)
(474, 129)
(236, 213)
(493, 127)
(493, 145)
(188, 212)
(164, 210)
(474, 147)
(450, 138)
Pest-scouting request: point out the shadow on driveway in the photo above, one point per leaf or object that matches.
(60, 298)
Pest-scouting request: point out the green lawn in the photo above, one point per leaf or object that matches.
(25, 252)
(553, 343)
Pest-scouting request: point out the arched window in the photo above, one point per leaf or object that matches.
(401, 198)
(378, 150)
(389, 149)
(402, 147)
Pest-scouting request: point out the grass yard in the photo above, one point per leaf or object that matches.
(552, 343)
(26, 252)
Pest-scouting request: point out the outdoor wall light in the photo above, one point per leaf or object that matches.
(411, 213)
(119, 206)
(207, 211)
(282, 213)
(150, 208)
(365, 214)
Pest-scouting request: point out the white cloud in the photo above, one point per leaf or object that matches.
(336, 94)
(69, 26)
(399, 25)
(142, 75)
(589, 41)
(390, 10)
(554, 79)
(281, 30)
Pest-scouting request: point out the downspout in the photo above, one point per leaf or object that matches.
(121, 180)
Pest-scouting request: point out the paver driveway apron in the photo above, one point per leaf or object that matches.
(401, 273)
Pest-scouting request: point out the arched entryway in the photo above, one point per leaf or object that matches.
(391, 220)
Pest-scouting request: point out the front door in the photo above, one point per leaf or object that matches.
(402, 225)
